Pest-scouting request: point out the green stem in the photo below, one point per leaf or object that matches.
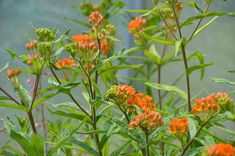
(123, 111)
(199, 22)
(8, 95)
(30, 115)
(193, 138)
(147, 142)
(185, 60)
(70, 94)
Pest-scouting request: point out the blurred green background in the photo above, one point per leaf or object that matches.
(217, 42)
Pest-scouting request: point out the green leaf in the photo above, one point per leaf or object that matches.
(205, 26)
(194, 5)
(177, 46)
(155, 9)
(58, 145)
(121, 67)
(67, 87)
(5, 67)
(38, 145)
(23, 142)
(205, 15)
(167, 88)
(222, 80)
(85, 146)
(120, 149)
(157, 40)
(196, 67)
(193, 127)
(4, 98)
(12, 53)
(153, 54)
(225, 130)
(47, 89)
(201, 61)
(42, 99)
(13, 106)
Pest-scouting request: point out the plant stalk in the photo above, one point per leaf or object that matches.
(193, 138)
(8, 95)
(183, 49)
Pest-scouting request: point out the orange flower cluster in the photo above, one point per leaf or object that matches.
(221, 150)
(120, 93)
(66, 62)
(85, 42)
(31, 58)
(105, 48)
(211, 103)
(137, 24)
(204, 105)
(13, 72)
(144, 102)
(179, 125)
(148, 120)
(221, 98)
(96, 18)
(31, 45)
(125, 90)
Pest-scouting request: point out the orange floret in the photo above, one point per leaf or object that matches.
(148, 120)
(85, 41)
(66, 62)
(104, 46)
(96, 18)
(144, 102)
(179, 125)
(137, 24)
(221, 150)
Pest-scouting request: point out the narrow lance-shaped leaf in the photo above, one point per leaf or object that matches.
(196, 67)
(13, 106)
(205, 26)
(5, 67)
(205, 15)
(120, 149)
(222, 80)
(153, 54)
(85, 146)
(24, 143)
(12, 53)
(201, 61)
(167, 88)
(177, 46)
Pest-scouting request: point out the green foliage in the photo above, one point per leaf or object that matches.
(151, 119)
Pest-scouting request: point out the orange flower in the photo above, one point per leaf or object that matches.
(13, 72)
(211, 104)
(86, 47)
(96, 18)
(221, 150)
(179, 125)
(85, 41)
(144, 102)
(120, 93)
(31, 45)
(104, 46)
(137, 24)
(148, 120)
(66, 62)
(31, 58)
(205, 105)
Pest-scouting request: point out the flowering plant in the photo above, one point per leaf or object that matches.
(99, 114)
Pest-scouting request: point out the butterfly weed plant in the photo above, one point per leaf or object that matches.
(103, 116)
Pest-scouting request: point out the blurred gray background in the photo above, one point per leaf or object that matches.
(217, 42)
